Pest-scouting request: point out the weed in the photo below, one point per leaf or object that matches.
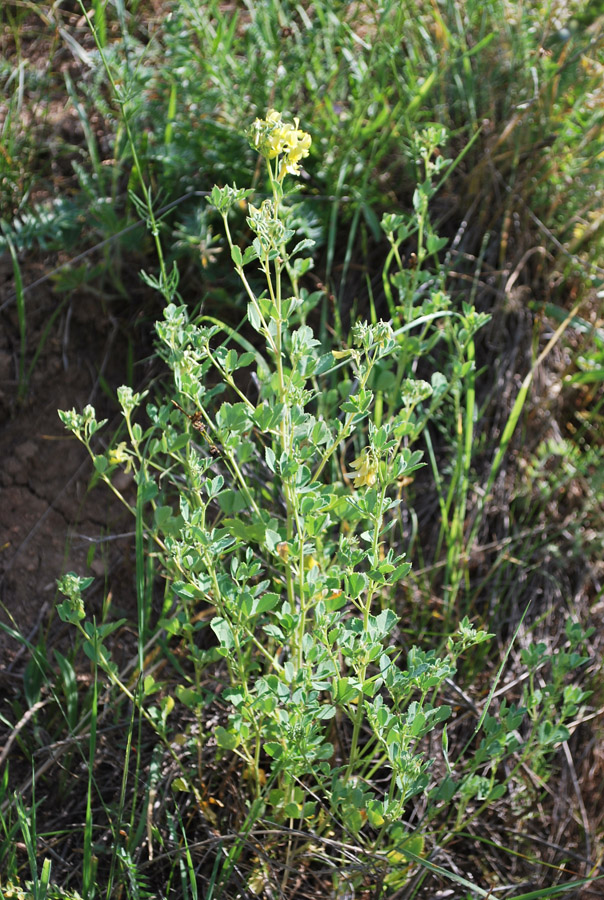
(327, 720)
(341, 718)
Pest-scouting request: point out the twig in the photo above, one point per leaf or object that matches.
(19, 726)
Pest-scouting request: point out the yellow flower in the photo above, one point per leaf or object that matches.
(273, 137)
(296, 145)
(118, 455)
(367, 470)
(310, 563)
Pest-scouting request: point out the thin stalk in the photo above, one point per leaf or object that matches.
(514, 417)
(345, 431)
(362, 675)
(148, 203)
(122, 800)
(453, 575)
(21, 317)
(88, 881)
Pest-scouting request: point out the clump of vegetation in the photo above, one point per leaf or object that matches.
(356, 662)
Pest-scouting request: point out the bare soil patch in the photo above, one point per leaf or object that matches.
(50, 522)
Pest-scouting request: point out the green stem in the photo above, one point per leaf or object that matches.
(345, 430)
(153, 225)
(362, 675)
(229, 380)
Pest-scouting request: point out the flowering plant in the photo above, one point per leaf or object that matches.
(294, 557)
(274, 137)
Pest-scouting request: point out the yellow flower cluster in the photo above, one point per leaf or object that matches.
(118, 455)
(273, 137)
(367, 470)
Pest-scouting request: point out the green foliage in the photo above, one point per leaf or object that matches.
(367, 80)
(279, 489)
(298, 559)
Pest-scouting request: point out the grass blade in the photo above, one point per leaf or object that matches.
(88, 865)
(21, 317)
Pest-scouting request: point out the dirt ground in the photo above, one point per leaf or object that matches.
(50, 522)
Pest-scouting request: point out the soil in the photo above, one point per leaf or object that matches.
(50, 522)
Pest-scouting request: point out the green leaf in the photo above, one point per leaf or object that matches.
(162, 515)
(375, 811)
(273, 749)
(269, 455)
(44, 880)
(343, 690)
(435, 243)
(417, 724)
(325, 751)
(356, 584)
(303, 245)
(497, 792)
(149, 491)
(272, 538)
(189, 697)
(223, 632)
(249, 534)
(33, 677)
(553, 734)
(266, 603)
(70, 688)
(187, 590)
(226, 739)
(250, 254)
(275, 632)
(100, 464)
(254, 317)
(445, 791)
(216, 486)
(232, 502)
(179, 784)
(292, 810)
